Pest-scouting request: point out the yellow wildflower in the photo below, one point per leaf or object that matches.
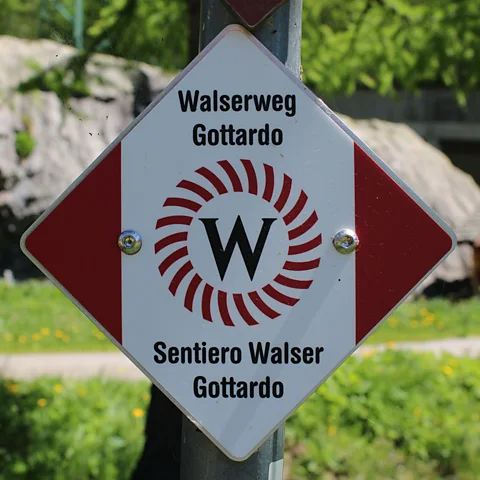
(99, 335)
(453, 361)
(424, 312)
(36, 337)
(369, 353)
(8, 337)
(45, 331)
(12, 387)
(59, 333)
(440, 326)
(81, 392)
(447, 370)
(417, 411)
(58, 388)
(138, 413)
(428, 320)
(414, 323)
(75, 329)
(22, 339)
(332, 430)
(393, 322)
(391, 345)
(65, 338)
(41, 402)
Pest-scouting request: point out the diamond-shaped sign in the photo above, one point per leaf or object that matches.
(237, 179)
(253, 12)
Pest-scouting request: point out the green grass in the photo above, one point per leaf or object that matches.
(37, 317)
(429, 320)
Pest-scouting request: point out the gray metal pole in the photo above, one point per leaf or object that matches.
(200, 458)
(281, 33)
(78, 24)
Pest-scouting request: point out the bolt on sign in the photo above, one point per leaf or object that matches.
(242, 242)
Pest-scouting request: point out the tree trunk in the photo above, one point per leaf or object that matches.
(160, 458)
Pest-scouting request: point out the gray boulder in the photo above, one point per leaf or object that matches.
(67, 137)
(452, 193)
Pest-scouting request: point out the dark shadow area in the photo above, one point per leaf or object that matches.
(464, 154)
(457, 290)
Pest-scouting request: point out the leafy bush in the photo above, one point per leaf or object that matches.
(396, 415)
(24, 144)
(73, 430)
(389, 416)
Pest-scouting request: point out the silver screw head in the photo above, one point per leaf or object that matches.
(345, 241)
(130, 242)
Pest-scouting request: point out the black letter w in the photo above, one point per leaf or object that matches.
(224, 255)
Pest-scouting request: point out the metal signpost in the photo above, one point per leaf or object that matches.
(281, 34)
(238, 243)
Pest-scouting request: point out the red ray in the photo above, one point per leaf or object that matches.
(206, 302)
(191, 291)
(170, 240)
(262, 306)
(172, 258)
(293, 283)
(182, 202)
(302, 266)
(175, 220)
(295, 211)
(251, 176)
(304, 227)
(242, 309)
(280, 297)
(195, 188)
(305, 247)
(232, 175)
(269, 183)
(284, 194)
(213, 179)
(223, 307)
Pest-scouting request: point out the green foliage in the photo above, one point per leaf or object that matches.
(37, 317)
(19, 18)
(391, 44)
(356, 43)
(396, 415)
(24, 144)
(390, 416)
(157, 33)
(75, 430)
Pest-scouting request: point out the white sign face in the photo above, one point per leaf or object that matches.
(238, 306)
(226, 314)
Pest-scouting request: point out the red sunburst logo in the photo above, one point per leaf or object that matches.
(239, 243)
